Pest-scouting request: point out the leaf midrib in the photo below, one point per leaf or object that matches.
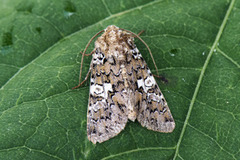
(202, 74)
(196, 89)
(214, 46)
(72, 34)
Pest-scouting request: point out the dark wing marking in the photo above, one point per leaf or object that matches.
(106, 109)
(153, 111)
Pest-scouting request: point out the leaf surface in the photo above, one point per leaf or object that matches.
(196, 47)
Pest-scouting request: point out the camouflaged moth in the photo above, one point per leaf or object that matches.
(122, 87)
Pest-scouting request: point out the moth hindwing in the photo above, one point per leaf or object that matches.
(122, 87)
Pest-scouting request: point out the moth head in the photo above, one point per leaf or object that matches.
(114, 34)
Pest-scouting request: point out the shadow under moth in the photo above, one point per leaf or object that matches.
(122, 87)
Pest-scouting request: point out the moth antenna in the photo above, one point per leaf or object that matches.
(145, 45)
(140, 32)
(83, 54)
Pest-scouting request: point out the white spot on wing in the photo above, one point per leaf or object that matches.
(141, 84)
(107, 87)
(149, 82)
(97, 90)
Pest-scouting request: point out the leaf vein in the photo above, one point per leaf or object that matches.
(206, 135)
(138, 150)
(104, 3)
(229, 58)
(66, 37)
(201, 76)
(178, 37)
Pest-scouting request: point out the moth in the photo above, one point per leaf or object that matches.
(122, 87)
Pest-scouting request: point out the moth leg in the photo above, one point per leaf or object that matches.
(80, 74)
(140, 32)
(83, 54)
(83, 80)
(87, 54)
(161, 77)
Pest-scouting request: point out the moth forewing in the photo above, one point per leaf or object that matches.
(122, 87)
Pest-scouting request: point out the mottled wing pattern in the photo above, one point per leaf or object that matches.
(153, 111)
(122, 87)
(106, 109)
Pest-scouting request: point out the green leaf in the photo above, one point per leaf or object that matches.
(196, 45)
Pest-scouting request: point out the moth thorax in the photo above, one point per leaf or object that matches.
(121, 57)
